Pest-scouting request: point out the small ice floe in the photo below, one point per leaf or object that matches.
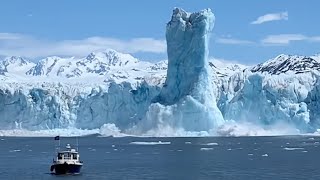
(250, 154)
(92, 149)
(255, 149)
(155, 153)
(211, 144)
(229, 149)
(187, 142)
(206, 149)
(304, 151)
(179, 150)
(115, 149)
(150, 143)
(15, 150)
(264, 155)
(292, 148)
(2, 139)
(287, 143)
(113, 145)
(311, 138)
(239, 143)
(30, 150)
(316, 143)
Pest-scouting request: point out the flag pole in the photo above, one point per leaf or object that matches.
(77, 144)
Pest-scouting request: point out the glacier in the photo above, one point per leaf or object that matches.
(115, 94)
(186, 100)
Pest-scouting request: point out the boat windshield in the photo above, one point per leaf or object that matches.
(67, 155)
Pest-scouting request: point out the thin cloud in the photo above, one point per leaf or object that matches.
(9, 36)
(271, 17)
(28, 46)
(285, 39)
(233, 41)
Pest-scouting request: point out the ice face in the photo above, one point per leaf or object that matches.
(186, 100)
(115, 94)
(187, 38)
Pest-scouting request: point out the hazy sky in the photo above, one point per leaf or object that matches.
(246, 31)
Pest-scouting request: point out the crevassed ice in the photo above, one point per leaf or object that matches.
(195, 100)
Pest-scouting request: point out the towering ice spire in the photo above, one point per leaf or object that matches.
(187, 46)
(188, 88)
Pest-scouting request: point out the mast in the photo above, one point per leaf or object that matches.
(77, 143)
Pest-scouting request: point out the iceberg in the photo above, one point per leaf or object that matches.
(186, 100)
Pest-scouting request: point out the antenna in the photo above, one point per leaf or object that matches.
(77, 143)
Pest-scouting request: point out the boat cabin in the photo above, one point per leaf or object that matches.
(67, 161)
(68, 155)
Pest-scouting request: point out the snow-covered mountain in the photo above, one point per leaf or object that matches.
(288, 63)
(104, 66)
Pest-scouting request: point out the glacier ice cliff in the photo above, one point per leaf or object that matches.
(186, 99)
(113, 93)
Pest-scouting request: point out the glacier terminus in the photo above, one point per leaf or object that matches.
(189, 94)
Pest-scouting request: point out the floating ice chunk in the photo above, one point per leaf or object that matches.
(211, 144)
(206, 149)
(292, 148)
(15, 150)
(250, 154)
(150, 143)
(264, 155)
(187, 142)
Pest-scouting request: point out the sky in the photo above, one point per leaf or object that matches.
(245, 31)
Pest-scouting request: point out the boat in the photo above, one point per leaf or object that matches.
(67, 161)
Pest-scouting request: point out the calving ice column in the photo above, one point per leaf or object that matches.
(186, 100)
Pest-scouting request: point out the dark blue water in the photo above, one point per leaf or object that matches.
(294, 157)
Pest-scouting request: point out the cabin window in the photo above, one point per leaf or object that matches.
(59, 156)
(67, 155)
(74, 156)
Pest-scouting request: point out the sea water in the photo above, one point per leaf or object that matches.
(285, 157)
